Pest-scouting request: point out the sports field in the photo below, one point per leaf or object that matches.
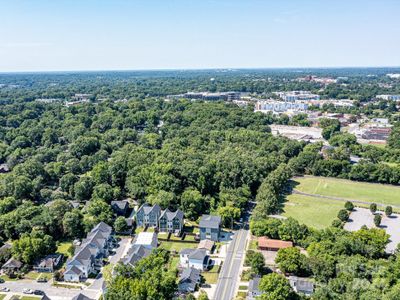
(347, 189)
(314, 212)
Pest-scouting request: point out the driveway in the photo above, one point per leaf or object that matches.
(363, 216)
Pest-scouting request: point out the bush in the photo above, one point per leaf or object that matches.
(337, 223)
(388, 211)
(377, 220)
(349, 206)
(372, 207)
(343, 215)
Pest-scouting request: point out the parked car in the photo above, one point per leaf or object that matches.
(27, 291)
(4, 289)
(1, 280)
(41, 279)
(38, 292)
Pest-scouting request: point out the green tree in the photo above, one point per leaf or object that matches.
(120, 224)
(192, 203)
(73, 226)
(343, 215)
(275, 287)
(229, 214)
(349, 206)
(290, 260)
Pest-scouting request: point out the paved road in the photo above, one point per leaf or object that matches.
(338, 198)
(230, 273)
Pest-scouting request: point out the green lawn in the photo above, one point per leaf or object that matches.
(314, 212)
(29, 298)
(2, 296)
(378, 193)
(211, 277)
(64, 248)
(176, 246)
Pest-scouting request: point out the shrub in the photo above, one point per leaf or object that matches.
(337, 223)
(349, 206)
(343, 215)
(377, 220)
(388, 211)
(372, 207)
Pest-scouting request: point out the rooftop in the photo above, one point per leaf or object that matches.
(264, 242)
(210, 221)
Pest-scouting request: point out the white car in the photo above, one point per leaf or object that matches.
(4, 289)
(27, 291)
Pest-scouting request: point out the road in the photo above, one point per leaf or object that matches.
(230, 273)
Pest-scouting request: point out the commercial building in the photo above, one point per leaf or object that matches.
(207, 96)
(278, 107)
(293, 96)
(389, 97)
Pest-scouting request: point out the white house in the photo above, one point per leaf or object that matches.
(194, 258)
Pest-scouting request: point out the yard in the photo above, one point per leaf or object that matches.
(211, 277)
(2, 296)
(176, 245)
(370, 192)
(312, 211)
(64, 248)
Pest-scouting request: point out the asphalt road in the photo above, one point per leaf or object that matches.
(230, 272)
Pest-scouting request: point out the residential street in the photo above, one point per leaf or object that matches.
(230, 272)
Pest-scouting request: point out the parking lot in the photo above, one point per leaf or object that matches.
(363, 216)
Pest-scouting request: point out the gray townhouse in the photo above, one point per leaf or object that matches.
(210, 227)
(148, 215)
(171, 221)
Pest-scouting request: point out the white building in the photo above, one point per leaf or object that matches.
(293, 96)
(147, 239)
(280, 107)
(194, 258)
(389, 97)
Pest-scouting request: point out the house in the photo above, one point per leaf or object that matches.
(265, 243)
(11, 265)
(5, 249)
(148, 215)
(207, 245)
(171, 221)
(253, 291)
(135, 253)
(121, 208)
(194, 258)
(210, 227)
(189, 280)
(88, 257)
(301, 285)
(4, 168)
(48, 263)
(81, 296)
(147, 239)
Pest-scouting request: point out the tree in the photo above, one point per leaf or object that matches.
(98, 211)
(266, 227)
(377, 220)
(29, 247)
(373, 207)
(275, 287)
(256, 261)
(192, 203)
(202, 295)
(388, 211)
(343, 215)
(73, 224)
(349, 206)
(290, 260)
(83, 188)
(120, 224)
(229, 214)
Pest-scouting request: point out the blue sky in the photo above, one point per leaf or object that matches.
(51, 35)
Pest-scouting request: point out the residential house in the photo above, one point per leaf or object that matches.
(301, 285)
(11, 265)
(135, 253)
(49, 263)
(148, 215)
(194, 258)
(253, 290)
(207, 245)
(147, 239)
(81, 296)
(88, 257)
(189, 280)
(210, 227)
(267, 244)
(171, 221)
(5, 249)
(121, 208)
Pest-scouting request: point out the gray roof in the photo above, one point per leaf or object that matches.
(136, 253)
(102, 227)
(13, 263)
(50, 261)
(148, 209)
(190, 273)
(81, 296)
(198, 254)
(253, 285)
(172, 215)
(74, 270)
(5, 247)
(301, 284)
(209, 221)
(122, 204)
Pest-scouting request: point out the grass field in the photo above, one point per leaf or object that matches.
(2, 296)
(378, 193)
(64, 248)
(176, 246)
(314, 212)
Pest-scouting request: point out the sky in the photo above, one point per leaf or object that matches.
(59, 35)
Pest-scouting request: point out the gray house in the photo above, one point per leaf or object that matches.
(188, 281)
(301, 285)
(135, 253)
(171, 221)
(121, 207)
(210, 227)
(253, 292)
(48, 263)
(148, 215)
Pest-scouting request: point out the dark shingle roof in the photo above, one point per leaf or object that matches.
(136, 253)
(209, 221)
(13, 263)
(172, 215)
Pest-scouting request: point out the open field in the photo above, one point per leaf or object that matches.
(312, 211)
(341, 188)
(176, 246)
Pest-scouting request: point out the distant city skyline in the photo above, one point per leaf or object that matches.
(102, 35)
